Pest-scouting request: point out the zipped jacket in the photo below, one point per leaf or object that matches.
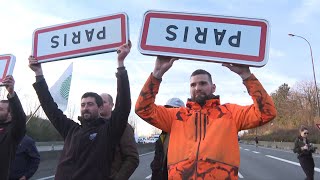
(88, 148)
(298, 144)
(203, 140)
(126, 157)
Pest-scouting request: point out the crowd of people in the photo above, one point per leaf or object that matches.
(102, 146)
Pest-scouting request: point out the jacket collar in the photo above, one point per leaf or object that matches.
(91, 123)
(211, 102)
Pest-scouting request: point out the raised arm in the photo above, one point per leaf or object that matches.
(55, 115)
(120, 114)
(261, 111)
(146, 108)
(18, 117)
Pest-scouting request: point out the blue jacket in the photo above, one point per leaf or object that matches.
(27, 159)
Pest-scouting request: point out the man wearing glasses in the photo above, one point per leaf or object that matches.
(304, 149)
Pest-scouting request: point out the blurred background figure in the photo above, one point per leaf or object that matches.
(26, 161)
(159, 163)
(126, 156)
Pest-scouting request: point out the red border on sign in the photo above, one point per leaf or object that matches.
(84, 50)
(263, 39)
(7, 58)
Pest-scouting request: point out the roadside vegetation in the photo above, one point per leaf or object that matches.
(296, 106)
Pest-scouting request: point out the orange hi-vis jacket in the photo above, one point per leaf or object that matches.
(204, 140)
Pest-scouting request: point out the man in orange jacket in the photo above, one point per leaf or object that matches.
(203, 135)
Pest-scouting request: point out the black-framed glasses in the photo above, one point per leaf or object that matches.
(306, 133)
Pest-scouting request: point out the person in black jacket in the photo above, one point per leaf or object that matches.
(159, 164)
(304, 149)
(26, 161)
(88, 148)
(12, 127)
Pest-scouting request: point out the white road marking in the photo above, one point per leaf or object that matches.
(247, 149)
(256, 152)
(146, 153)
(240, 175)
(148, 177)
(49, 177)
(290, 162)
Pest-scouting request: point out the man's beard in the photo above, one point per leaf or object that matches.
(201, 99)
(86, 115)
(3, 119)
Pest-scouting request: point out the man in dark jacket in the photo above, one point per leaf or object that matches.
(126, 157)
(88, 148)
(27, 160)
(12, 127)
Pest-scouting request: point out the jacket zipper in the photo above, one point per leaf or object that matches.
(197, 155)
(204, 126)
(196, 125)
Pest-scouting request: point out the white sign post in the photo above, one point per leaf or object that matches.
(80, 38)
(205, 37)
(7, 63)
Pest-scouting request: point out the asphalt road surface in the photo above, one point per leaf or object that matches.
(257, 163)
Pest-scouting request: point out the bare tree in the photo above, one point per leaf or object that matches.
(133, 122)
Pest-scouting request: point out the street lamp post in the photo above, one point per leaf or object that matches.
(314, 75)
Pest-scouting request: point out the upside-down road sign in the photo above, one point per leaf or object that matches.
(7, 63)
(205, 37)
(80, 38)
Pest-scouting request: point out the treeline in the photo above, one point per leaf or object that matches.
(41, 130)
(296, 106)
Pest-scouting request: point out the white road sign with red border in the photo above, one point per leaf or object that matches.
(7, 63)
(205, 37)
(80, 38)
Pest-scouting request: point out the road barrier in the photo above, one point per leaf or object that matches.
(277, 145)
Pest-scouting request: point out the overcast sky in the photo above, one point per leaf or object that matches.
(289, 57)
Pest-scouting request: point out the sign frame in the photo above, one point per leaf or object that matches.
(86, 51)
(10, 63)
(205, 55)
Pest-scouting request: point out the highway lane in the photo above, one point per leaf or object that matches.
(143, 171)
(271, 164)
(257, 163)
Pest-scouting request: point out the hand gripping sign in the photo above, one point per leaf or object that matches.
(80, 38)
(7, 63)
(205, 37)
